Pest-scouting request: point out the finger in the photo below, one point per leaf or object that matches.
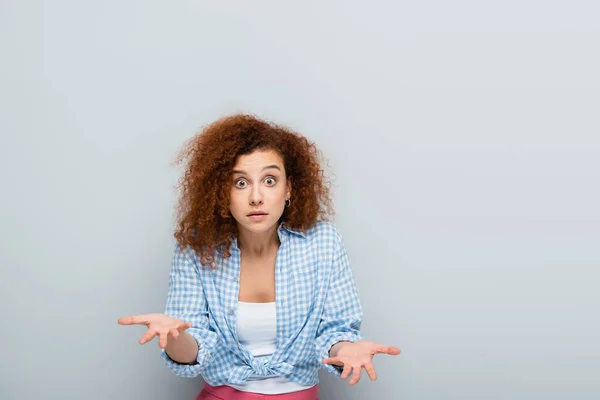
(371, 371)
(333, 360)
(147, 336)
(133, 320)
(162, 340)
(174, 333)
(185, 326)
(355, 375)
(346, 372)
(391, 350)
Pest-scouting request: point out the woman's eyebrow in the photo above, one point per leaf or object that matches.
(239, 171)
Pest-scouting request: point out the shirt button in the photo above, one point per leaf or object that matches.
(236, 279)
(231, 311)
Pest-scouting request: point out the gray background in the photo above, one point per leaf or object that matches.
(464, 141)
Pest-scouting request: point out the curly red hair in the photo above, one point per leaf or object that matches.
(203, 218)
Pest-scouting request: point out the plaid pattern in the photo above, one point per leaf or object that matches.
(316, 301)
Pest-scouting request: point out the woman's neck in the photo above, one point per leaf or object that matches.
(258, 244)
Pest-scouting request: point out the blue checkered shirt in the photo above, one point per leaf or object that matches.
(316, 301)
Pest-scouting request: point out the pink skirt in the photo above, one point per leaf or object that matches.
(228, 393)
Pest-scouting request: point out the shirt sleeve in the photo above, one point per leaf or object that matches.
(186, 300)
(342, 313)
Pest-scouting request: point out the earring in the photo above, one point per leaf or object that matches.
(288, 202)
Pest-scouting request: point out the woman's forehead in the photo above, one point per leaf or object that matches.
(258, 160)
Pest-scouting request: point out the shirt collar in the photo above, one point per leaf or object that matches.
(283, 227)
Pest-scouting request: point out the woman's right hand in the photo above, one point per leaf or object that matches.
(166, 328)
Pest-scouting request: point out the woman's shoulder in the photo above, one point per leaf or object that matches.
(324, 232)
(184, 251)
(322, 227)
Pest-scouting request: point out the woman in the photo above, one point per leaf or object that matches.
(261, 293)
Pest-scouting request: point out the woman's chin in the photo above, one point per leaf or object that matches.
(257, 227)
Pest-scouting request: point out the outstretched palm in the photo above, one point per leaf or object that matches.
(158, 325)
(358, 355)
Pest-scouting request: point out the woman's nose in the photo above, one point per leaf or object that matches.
(255, 196)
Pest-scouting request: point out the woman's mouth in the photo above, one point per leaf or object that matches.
(257, 216)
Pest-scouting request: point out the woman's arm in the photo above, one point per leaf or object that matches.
(339, 342)
(183, 350)
(191, 352)
(342, 313)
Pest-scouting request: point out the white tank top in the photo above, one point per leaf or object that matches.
(257, 331)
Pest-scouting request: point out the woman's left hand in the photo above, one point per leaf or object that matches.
(358, 355)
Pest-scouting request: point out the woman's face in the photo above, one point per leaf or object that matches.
(259, 189)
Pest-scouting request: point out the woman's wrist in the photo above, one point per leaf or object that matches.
(183, 350)
(336, 348)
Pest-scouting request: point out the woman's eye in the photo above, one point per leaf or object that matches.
(270, 181)
(241, 183)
